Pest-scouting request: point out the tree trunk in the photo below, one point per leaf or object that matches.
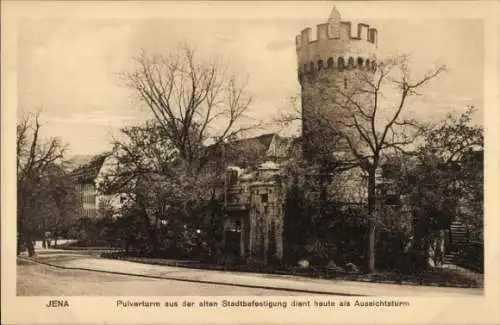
(435, 248)
(324, 189)
(323, 197)
(153, 233)
(440, 249)
(212, 228)
(147, 226)
(370, 256)
(29, 244)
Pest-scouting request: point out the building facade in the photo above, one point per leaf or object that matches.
(88, 177)
(252, 193)
(253, 201)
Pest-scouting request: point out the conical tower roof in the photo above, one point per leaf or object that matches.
(334, 14)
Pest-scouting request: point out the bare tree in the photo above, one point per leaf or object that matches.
(192, 99)
(42, 188)
(360, 116)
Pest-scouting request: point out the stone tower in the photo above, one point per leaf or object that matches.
(328, 64)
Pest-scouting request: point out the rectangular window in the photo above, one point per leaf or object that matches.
(264, 197)
(234, 225)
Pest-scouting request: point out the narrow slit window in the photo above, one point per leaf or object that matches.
(341, 63)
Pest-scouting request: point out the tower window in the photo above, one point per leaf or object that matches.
(345, 82)
(329, 63)
(341, 63)
(351, 62)
(360, 62)
(372, 36)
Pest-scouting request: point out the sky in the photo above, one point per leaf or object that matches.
(68, 67)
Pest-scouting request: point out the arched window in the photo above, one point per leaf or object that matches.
(341, 63)
(368, 64)
(360, 62)
(350, 63)
(345, 82)
(374, 66)
(311, 66)
(305, 67)
(329, 63)
(320, 64)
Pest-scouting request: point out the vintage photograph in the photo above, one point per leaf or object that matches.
(336, 155)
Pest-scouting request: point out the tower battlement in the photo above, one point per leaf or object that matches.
(344, 31)
(337, 44)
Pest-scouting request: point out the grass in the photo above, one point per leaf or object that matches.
(441, 277)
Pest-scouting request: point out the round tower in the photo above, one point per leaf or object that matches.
(328, 66)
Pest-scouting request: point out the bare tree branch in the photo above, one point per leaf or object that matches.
(194, 100)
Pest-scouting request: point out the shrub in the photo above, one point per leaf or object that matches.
(471, 256)
(351, 268)
(319, 253)
(332, 267)
(389, 249)
(411, 262)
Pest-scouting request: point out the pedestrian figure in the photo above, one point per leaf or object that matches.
(30, 246)
(46, 240)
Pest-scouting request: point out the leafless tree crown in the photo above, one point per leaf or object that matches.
(194, 100)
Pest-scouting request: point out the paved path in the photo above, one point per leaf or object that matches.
(42, 280)
(301, 286)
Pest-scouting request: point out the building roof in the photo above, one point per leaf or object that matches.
(255, 150)
(87, 172)
(241, 153)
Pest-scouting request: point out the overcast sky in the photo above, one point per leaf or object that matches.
(69, 67)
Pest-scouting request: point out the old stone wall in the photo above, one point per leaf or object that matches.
(266, 217)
